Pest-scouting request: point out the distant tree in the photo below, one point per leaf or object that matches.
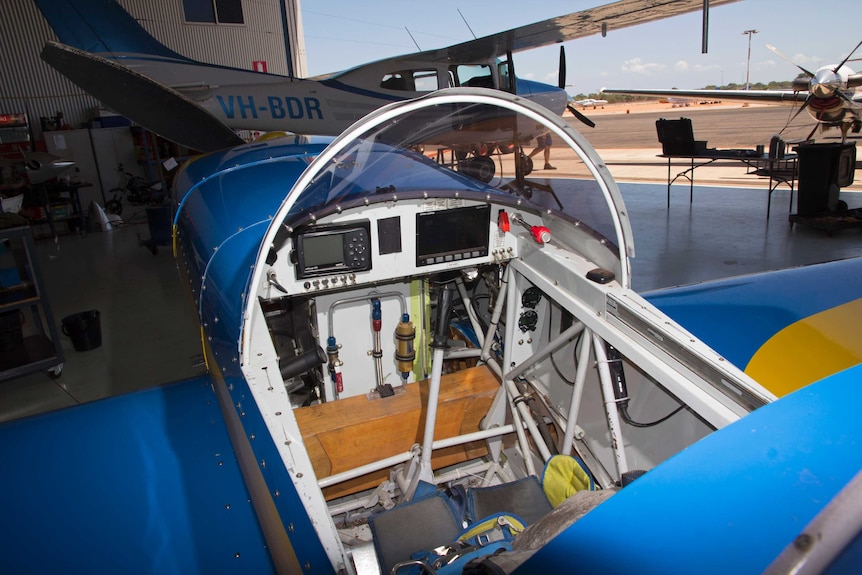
(773, 85)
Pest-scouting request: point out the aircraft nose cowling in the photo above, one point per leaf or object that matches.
(549, 96)
(830, 110)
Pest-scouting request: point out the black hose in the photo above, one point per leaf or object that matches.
(574, 351)
(621, 392)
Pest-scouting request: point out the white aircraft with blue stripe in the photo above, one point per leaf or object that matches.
(106, 52)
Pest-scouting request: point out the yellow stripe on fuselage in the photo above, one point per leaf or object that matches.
(810, 349)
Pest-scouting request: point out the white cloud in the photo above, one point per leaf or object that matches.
(804, 60)
(763, 65)
(706, 67)
(681, 66)
(645, 68)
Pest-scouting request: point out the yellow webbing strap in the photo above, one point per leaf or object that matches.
(491, 523)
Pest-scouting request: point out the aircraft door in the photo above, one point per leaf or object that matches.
(503, 74)
(473, 75)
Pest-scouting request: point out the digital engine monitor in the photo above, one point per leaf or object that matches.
(452, 235)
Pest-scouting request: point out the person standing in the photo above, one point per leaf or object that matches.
(543, 144)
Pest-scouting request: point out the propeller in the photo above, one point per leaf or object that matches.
(783, 57)
(826, 95)
(580, 116)
(799, 111)
(561, 83)
(561, 75)
(823, 84)
(844, 61)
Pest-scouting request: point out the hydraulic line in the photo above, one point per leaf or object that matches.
(519, 401)
(377, 351)
(495, 316)
(471, 313)
(369, 296)
(621, 392)
(537, 417)
(335, 364)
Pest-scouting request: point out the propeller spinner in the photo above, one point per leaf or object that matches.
(825, 83)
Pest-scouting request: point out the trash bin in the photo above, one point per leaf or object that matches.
(84, 329)
(159, 222)
(823, 170)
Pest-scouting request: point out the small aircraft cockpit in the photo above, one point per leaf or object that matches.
(419, 80)
(423, 316)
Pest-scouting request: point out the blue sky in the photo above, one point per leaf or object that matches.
(340, 34)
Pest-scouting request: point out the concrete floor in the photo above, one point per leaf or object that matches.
(150, 332)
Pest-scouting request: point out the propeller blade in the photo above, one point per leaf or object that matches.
(561, 76)
(782, 56)
(510, 65)
(580, 116)
(799, 111)
(844, 61)
(844, 96)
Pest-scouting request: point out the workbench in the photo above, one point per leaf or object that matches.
(780, 171)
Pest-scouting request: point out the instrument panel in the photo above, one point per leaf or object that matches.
(382, 242)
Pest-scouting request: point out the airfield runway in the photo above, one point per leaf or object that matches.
(721, 125)
(625, 137)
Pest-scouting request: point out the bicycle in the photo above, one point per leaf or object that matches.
(138, 192)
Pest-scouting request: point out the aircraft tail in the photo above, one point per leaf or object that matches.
(101, 27)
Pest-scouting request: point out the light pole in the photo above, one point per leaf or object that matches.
(748, 61)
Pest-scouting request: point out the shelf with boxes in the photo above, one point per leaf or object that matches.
(29, 340)
(55, 207)
(152, 151)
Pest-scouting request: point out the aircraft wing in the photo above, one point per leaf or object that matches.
(735, 500)
(749, 95)
(146, 102)
(141, 483)
(598, 20)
